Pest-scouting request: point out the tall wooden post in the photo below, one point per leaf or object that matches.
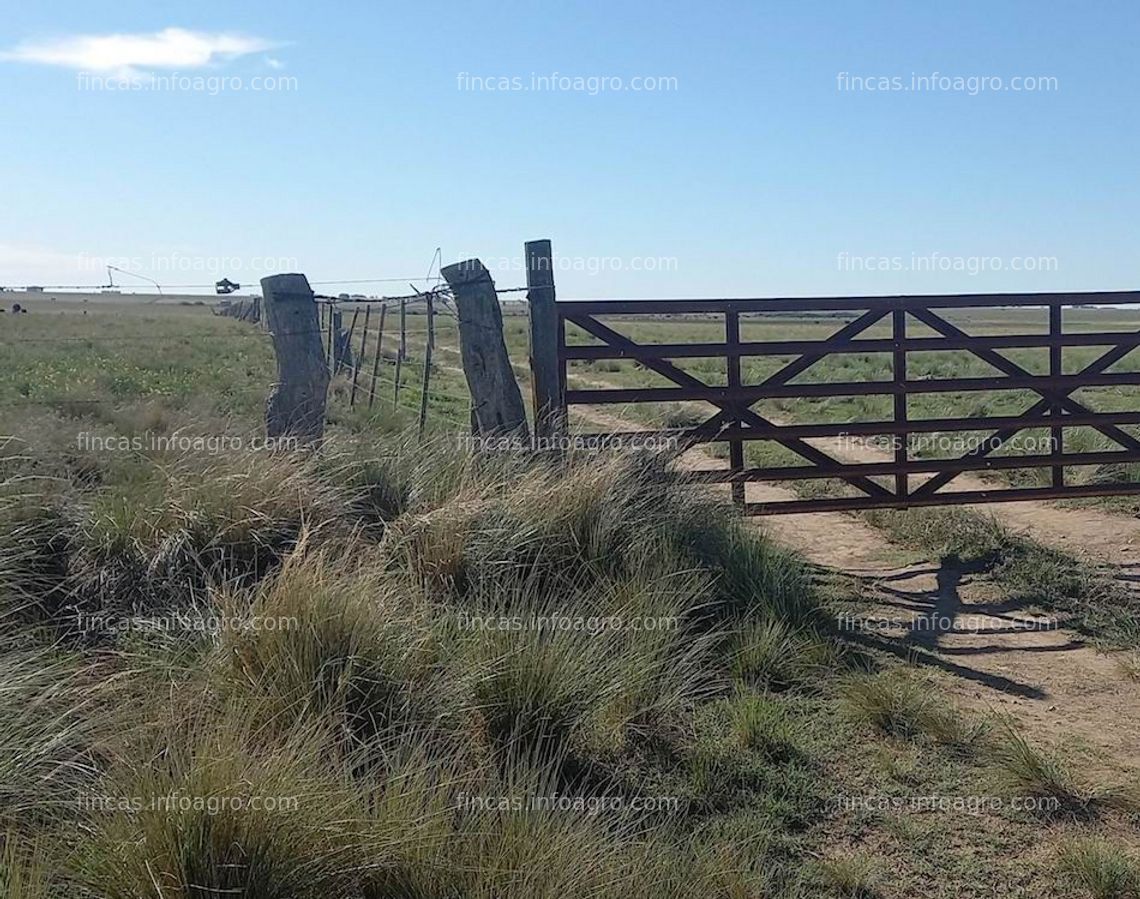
(898, 367)
(1056, 369)
(497, 403)
(549, 393)
(732, 361)
(296, 407)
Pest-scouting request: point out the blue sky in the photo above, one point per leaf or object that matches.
(751, 172)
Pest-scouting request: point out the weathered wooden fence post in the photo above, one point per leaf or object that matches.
(348, 356)
(427, 367)
(497, 405)
(337, 342)
(296, 407)
(549, 394)
(361, 357)
(403, 328)
(732, 362)
(379, 354)
(397, 375)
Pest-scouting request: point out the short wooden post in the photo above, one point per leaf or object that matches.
(549, 396)
(331, 337)
(379, 354)
(403, 328)
(498, 405)
(296, 407)
(360, 359)
(347, 354)
(427, 372)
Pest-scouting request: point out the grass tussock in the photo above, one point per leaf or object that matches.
(1129, 664)
(331, 639)
(1101, 869)
(771, 653)
(760, 724)
(900, 704)
(23, 868)
(157, 541)
(213, 816)
(852, 876)
(1024, 769)
(55, 727)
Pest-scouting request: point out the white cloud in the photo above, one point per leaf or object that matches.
(171, 48)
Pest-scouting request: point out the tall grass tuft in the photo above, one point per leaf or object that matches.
(53, 725)
(592, 520)
(1023, 769)
(770, 653)
(1102, 869)
(331, 639)
(902, 705)
(24, 871)
(219, 805)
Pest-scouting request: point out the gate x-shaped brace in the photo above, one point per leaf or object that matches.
(745, 415)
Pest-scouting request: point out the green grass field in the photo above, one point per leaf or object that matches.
(233, 672)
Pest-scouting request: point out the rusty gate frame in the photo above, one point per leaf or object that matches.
(736, 421)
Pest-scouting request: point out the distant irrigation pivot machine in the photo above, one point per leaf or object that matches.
(589, 330)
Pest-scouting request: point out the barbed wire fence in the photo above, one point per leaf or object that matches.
(380, 358)
(387, 353)
(387, 350)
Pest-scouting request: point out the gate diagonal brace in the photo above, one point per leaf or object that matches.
(743, 414)
(1049, 396)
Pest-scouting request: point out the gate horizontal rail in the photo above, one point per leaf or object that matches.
(845, 304)
(1065, 383)
(736, 422)
(957, 498)
(880, 345)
